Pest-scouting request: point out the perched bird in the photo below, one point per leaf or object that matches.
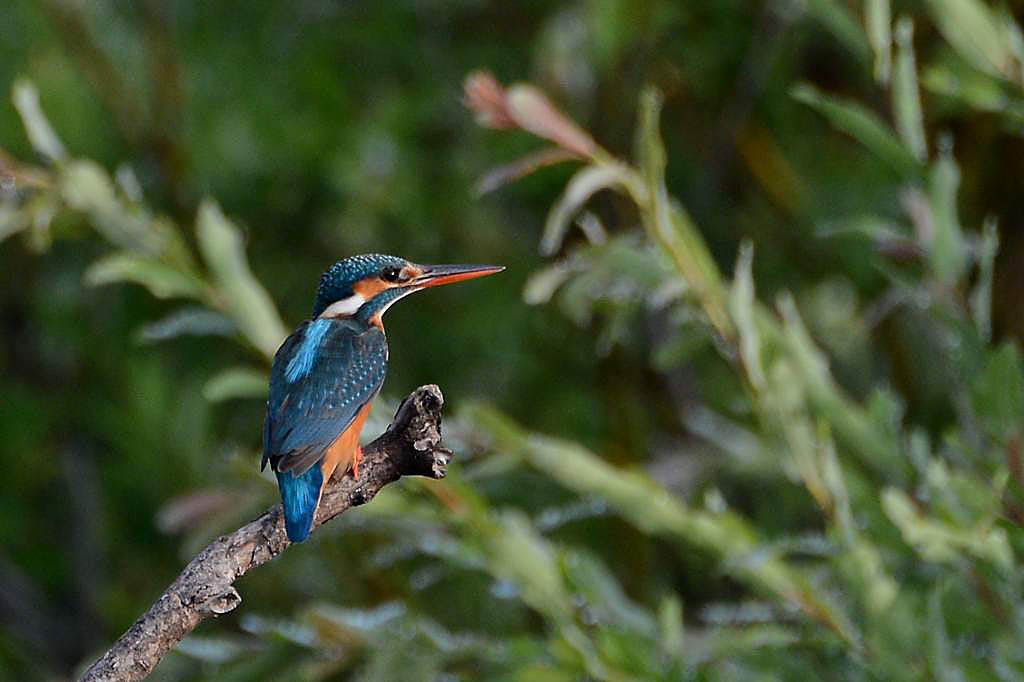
(326, 373)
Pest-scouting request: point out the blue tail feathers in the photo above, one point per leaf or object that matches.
(299, 496)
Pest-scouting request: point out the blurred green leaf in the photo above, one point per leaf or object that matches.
(905, 94)
(727, 643)
(671, 627)
(947, 247)
(650, 150)
(584, 184)
(942, 658)
(878, 21)
(240, 295)
(973, 30)
(975, 90)
(873, 227)
(837, 17)
(997, 392)
(543, 283)
(212, 649)
(940, 541)
(862, 558)
(608, 605)
(191, 320)
(518, 554)
(162, 280)
(535, 672)
(236, 382)
(849, 420)
(981, 295)
(88, 188)
(863, 125)
(605, 283)
(40, 133)
(741, 307)
(667, 222)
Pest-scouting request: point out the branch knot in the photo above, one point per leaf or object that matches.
(222, 603)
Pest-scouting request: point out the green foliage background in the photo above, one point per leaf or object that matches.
(759, 419)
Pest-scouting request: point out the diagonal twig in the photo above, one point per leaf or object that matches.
(411, 446)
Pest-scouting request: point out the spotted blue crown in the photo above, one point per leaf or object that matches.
(336, 283)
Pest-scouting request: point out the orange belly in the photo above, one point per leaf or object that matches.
(344, 449)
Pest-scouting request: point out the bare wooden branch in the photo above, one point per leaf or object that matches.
(411, 446)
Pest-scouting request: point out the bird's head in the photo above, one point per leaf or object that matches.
(365, 286)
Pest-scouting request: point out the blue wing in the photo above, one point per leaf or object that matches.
(323, 374)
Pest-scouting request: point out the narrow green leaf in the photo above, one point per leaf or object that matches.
(878, 589)
(727, 643)
(851, 424)
(863, 125)
(906, 96)
(162, 280)
(972, 30)
(193, 320)
(87, 187)
(240, 294)
(947, 249)
(741, 306)
(40, 133)
(873, 227)
(1005, 18)
(543, 283)
(42, 209)
(521, 555)
(942, 542)
(670, 625)
(649, 148)
(981, 295)
(878, 21)
(667, 222)
(583, 185)
(236, 382)
(506, 173)
(973, 89)
(832, 477)
(837, 18)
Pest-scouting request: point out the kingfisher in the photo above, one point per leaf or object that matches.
(329, 369)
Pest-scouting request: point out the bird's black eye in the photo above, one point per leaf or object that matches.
(391, 274)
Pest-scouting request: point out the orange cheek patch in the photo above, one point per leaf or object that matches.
(368, 288)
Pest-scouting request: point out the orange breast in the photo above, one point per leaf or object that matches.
(343, 449)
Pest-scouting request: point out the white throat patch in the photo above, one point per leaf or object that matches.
(345, 307)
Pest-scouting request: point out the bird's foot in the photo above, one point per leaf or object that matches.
(357, 457)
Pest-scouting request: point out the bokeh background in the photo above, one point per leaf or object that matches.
(825, 486)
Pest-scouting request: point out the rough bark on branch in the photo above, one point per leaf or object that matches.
(411, 446)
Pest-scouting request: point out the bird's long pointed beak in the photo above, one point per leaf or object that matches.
(436, 275)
